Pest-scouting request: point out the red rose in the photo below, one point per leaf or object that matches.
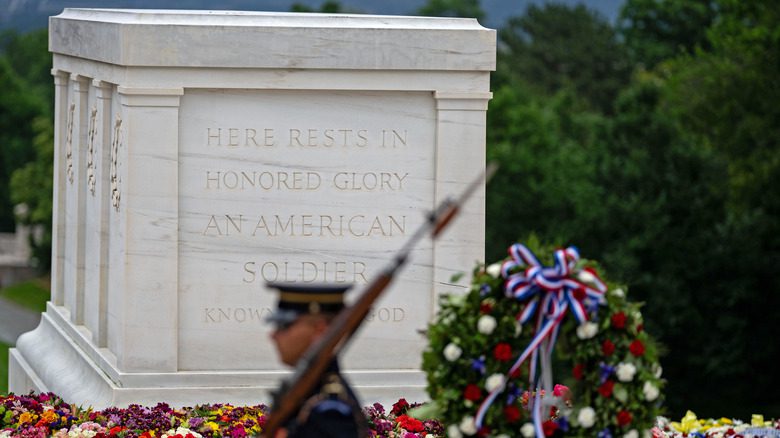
(607, 348)
(484, 431)
(549, 427)
(410, 424)
(485, 308)
(639, 328)
(637, 348)
(502, 352)
(400, 406)
(624, 418)
(578, 371)
(606, 388)
(619, 320)
(511, 413)
(472, 392)
(579, 294)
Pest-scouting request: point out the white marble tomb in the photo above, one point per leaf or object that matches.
(199, 154)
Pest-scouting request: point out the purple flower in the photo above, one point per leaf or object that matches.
(478, 364)
(606, 371)
(196, 422)
(513, 391)
(563, 424)
(484, 290)
(605, 433)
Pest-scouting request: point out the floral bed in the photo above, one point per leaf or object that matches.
(47, 415)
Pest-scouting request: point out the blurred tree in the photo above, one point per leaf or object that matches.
(546, 183)
(656, 30)
(329, 7)
(555, 46)
(18, 107)
(727, 95)
(453, 8)
(33, 184)
(26, 105)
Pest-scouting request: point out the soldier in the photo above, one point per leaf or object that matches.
(302, 316)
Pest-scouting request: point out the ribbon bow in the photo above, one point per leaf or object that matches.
(548, 292)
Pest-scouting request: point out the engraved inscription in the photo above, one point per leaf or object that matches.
(306, 225)
(113, 171)
(386, 314)
(91, 179)
(217, 315)
(303, 181)
(69, 143)
(306, 272)
(359, 138)
(258, 315)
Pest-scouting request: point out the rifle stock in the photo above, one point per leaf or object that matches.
(294, 390)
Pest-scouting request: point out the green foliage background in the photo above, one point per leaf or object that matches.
(652, 144)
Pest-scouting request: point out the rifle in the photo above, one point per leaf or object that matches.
(294, 390)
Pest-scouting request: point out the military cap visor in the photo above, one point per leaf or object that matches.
(296, 300)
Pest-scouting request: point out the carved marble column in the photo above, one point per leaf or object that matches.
(75, 192)
(61, 118)
(144, 209)
(98, 199)
(460, 143)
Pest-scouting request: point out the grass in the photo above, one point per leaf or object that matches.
(4, 368)
(31, 294)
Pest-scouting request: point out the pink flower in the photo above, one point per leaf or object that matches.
(559, 390)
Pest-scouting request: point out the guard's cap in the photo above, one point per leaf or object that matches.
(297, 299)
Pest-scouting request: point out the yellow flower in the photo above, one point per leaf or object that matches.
(689, 423)
(49, 416)
(214, 426)
(725, 420)
(26, 417)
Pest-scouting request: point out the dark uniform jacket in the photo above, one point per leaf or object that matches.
(332, 411)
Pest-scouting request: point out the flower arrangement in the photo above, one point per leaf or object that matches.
(399, 423)
(690, 426)
(478, 340)
(47, 415)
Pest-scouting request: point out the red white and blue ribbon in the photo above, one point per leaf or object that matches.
(548, 293)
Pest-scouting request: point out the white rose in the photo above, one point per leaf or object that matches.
(586, 417)
(486, 324)
(657, 371)
(452, 352)
(528, 430)
(494, 270)
(182, 431)
(651, 391)
(625, 372)
(631, 434)
(503, 435)
(518, 328)
(647, 434)
(494, 381)
(620, 293)
(586, 277)
(587, 330)
(468, 426)
(454, 432)
(429, 435)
